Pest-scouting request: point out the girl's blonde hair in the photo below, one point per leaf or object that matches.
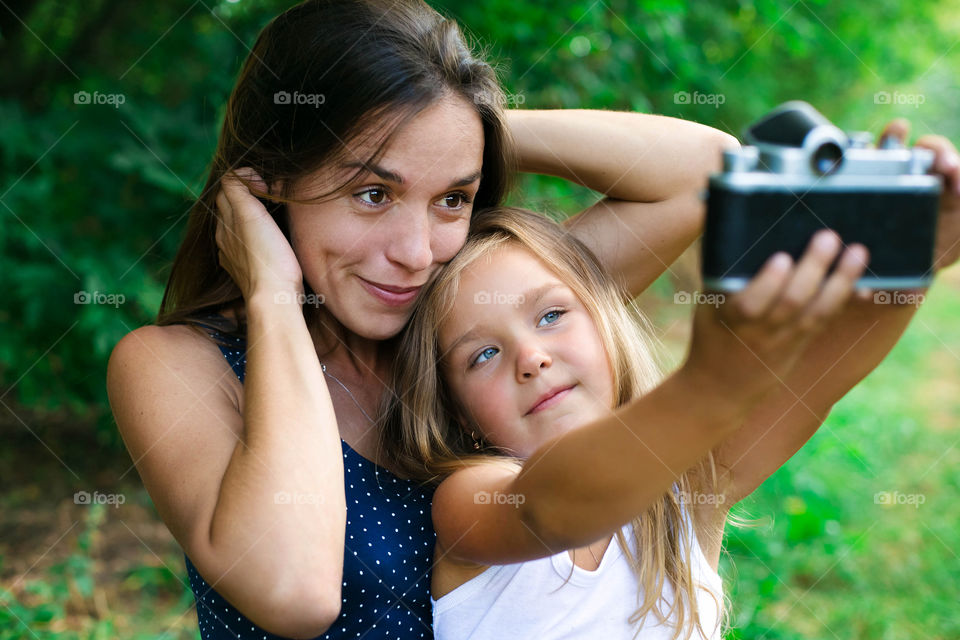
(425, 442)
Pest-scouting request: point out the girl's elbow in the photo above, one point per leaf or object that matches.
(547, 526)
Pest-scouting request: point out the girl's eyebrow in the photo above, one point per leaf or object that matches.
(531, 296)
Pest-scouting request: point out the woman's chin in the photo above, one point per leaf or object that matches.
(379, 326)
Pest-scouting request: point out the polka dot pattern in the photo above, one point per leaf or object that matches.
(386, 565)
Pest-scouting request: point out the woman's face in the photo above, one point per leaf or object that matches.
(370, 249)
(522, 355)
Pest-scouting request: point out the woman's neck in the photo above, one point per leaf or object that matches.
(351, 356)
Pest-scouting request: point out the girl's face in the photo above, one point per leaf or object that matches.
(369, 250)
(522, 355)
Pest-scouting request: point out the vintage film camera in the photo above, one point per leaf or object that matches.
(802, 174)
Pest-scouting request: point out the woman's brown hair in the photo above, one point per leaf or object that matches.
(320, 76)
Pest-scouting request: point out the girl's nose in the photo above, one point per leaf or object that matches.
(531, 360)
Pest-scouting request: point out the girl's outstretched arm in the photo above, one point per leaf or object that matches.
(590, 481)
(651, 168)
(851, 346)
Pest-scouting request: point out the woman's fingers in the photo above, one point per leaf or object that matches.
(243, 183)
(236, 203)
(807, 277)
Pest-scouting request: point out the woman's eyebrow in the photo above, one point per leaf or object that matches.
(462, 182)
(377, 170)
(393, 176)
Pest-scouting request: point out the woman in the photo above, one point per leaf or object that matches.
(376, 134)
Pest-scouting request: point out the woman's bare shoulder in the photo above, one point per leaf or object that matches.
(179, 349)
(164, 340)
(175, 402)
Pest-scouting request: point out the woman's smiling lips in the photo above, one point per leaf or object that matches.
(550, 398)
(390, 295)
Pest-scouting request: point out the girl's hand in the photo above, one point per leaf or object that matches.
(746, 345)
(947, 165)
(253, 250)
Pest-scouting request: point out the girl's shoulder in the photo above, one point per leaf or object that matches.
(479, 473)
(482, 480)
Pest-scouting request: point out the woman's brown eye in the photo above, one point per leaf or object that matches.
(454, 201)
(373, 196)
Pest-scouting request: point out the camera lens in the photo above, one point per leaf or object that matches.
(827, 158)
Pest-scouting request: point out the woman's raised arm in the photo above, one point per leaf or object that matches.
(250, 482)
(651, 168)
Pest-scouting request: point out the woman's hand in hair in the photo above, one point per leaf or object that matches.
(253, 249)
(745, 344)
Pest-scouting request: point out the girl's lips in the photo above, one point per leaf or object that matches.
(551, 400)
(391, 296)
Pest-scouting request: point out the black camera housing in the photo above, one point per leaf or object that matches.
(802, 174)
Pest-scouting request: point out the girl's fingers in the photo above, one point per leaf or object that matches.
(838, 287)
(946, 160)
(899, 129)
(762, 290)
(807, 278)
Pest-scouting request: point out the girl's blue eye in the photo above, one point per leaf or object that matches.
(484, 355)
(550, 317)
(372, 196)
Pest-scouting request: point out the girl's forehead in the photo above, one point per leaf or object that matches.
(501, 280)
(510, 258)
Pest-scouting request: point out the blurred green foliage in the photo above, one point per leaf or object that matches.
(94, 196)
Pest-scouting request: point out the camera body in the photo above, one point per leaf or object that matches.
(802, 174)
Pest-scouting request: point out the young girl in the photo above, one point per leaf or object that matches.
(526, 344)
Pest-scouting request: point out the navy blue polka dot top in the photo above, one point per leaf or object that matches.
(386, 562)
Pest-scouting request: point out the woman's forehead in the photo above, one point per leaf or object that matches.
(438, 148)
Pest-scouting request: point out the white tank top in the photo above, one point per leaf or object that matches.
(537, 600)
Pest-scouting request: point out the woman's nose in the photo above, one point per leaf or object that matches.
(409, 239)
